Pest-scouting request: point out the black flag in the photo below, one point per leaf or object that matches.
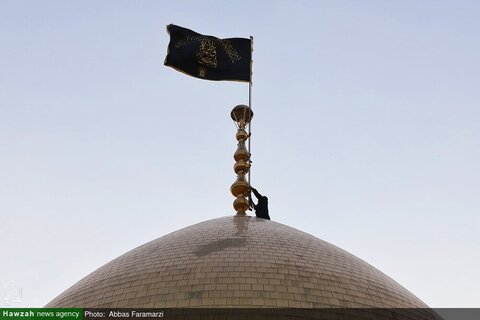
(207, 57)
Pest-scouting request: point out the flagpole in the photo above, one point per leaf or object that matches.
(250, 129)
(250, 106)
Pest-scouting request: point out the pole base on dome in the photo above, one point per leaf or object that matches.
(241, 205)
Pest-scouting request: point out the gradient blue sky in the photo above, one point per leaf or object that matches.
(366, 134)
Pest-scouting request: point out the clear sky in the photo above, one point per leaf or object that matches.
(366, 134)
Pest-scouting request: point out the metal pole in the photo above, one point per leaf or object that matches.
(250, 106)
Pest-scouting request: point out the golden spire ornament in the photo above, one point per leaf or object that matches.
(241, 115)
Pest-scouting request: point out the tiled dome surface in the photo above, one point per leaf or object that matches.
(237, 262)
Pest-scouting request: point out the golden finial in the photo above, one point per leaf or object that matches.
(240, 189)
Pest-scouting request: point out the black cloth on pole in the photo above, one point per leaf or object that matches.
(207, 57)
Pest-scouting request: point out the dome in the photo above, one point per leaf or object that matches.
(237, 261)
